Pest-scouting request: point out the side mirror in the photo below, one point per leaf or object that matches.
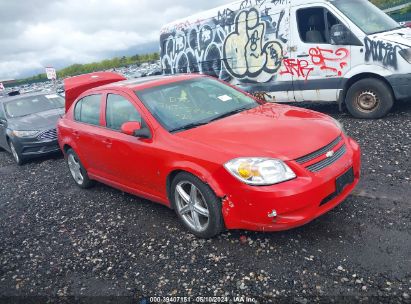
(339, 35)
(130, 127)
(134, 128)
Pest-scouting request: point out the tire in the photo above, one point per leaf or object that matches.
(369, 98)
(18, 158)
(77, 171)
(191, 215)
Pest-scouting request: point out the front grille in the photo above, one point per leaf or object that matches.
(328, 161)
(48, 135)
(320, 152)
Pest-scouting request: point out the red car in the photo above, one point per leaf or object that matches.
(217, 156)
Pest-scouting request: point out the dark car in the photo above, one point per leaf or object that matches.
(28, 125)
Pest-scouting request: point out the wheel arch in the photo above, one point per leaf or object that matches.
(358, 77)
(198, 172)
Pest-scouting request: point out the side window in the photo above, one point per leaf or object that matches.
(87, 110)
(311, 25)
(120, 110)
(314, 24)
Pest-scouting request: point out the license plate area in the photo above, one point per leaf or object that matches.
(340, 184)
(344, 180)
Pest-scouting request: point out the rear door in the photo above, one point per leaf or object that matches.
(88, 132)
(317, 66)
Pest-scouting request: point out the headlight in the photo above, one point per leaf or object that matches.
(25, 133)
(406, 54)
(260, 171)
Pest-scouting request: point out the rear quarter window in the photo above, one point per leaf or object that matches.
(88, 109)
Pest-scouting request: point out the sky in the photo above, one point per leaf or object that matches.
(39, 33)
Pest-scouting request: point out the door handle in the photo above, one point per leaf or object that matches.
(76, 134)
(107, 142)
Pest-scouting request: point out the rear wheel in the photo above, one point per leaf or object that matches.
(198, 208)
(18, 158)
(77, 170)
(369, 99)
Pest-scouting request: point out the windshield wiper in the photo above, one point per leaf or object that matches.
(202, 123)
(189, 126)
(231, 113)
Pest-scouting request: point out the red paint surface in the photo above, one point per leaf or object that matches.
(142, 166)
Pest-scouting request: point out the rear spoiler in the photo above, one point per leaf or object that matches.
(75, 86)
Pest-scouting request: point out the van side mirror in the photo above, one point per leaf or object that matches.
(339, 35)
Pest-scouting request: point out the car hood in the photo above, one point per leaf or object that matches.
(269, 130)
(39, 121)
(400, 36)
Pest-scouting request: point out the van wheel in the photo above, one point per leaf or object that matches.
(77, 170)
(369, 99)
(197, 206)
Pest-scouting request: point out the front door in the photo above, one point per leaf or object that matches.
(129, 160)
(317, 66)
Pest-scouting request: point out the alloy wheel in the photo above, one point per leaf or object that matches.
(192, 206)
(14, 152)
(75, 169)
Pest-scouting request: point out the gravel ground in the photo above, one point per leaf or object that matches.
(58, 241)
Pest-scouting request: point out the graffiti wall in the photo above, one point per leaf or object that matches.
(245, 42)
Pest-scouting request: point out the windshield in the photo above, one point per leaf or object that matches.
(33, 104)
(366, 16)
(188, 104)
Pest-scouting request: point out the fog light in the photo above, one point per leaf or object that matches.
(272, 214)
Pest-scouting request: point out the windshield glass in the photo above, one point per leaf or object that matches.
(366, 16)
(33, 104)
(188, 104)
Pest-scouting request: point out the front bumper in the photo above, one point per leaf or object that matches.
(31, 147)
(401, 86)
(295, 202)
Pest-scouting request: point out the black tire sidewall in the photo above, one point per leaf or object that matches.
(216, 221)
(87, 182)
(21, 158)
(380, 88)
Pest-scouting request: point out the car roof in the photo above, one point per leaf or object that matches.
(23, 96)
(139, 84)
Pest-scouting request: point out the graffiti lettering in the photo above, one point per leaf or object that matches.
(297, 67)
(384, 52)
(244, 43)
(246, 55)
(320, 57)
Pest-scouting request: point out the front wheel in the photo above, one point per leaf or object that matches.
(18, 158)
(369, 99)
(77, 170)
(196, 205)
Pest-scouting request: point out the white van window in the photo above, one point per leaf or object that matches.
(314, 24)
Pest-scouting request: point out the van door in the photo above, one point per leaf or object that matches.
(317, 66)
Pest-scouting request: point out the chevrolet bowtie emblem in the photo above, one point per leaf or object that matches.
(329, 154)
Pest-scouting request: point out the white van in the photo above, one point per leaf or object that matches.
(298, 50)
